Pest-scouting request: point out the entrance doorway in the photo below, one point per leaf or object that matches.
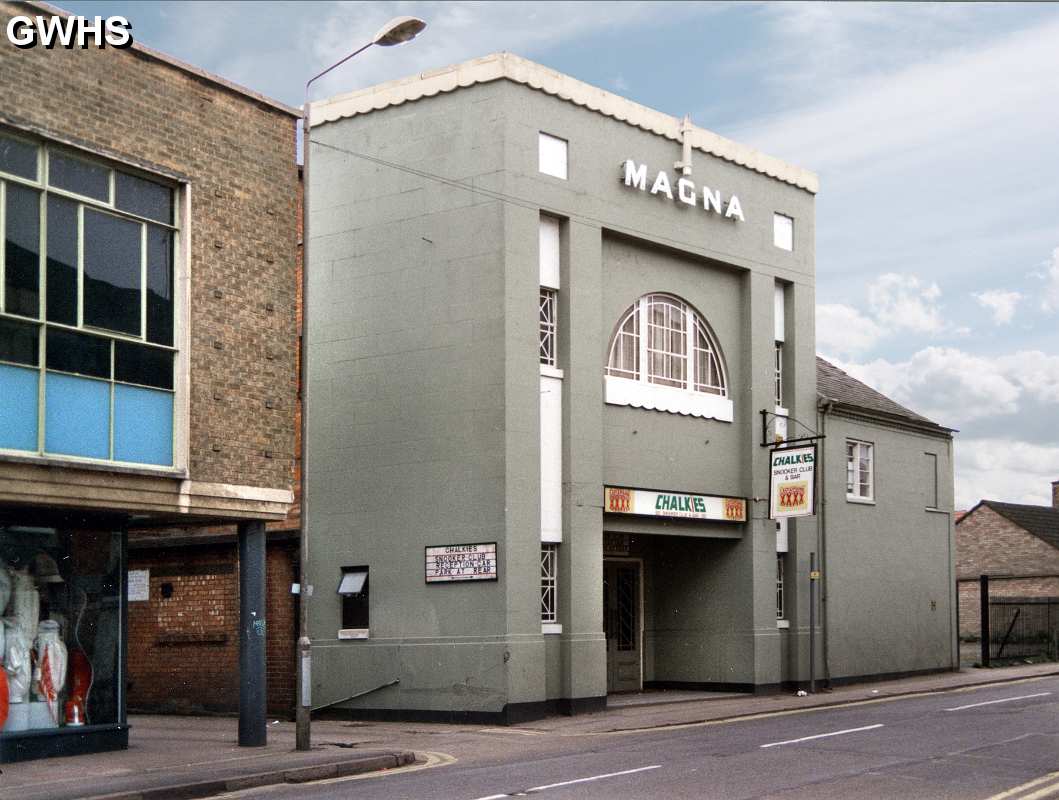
(623, 623)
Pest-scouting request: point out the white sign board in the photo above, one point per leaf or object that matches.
(649, 503)
(461, 562)
(792, 482)
(139, 585)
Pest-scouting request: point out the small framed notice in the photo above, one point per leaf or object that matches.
(447, 563)
(139, 585)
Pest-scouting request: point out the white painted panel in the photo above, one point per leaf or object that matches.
(780, 315)
(551, 459)
(549, 246)
(626, 392)
(783, 232)
(781, 535)
(552, 155)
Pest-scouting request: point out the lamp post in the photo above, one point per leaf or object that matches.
(397, 31)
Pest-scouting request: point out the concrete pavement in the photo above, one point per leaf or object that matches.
(171, 757)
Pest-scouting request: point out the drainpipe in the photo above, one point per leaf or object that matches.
(821, 540)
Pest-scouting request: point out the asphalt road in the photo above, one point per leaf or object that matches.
(972, 744)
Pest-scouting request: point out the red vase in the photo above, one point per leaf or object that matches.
(79, 682)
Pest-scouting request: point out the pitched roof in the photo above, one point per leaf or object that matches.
(507, 66)
(1041, 521)
(837, 387)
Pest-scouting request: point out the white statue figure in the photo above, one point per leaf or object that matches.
(51, 665)
(25, 602)
(17, 662)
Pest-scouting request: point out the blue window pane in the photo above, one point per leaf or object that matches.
(143, 425)
(18, 411)
(76, 416)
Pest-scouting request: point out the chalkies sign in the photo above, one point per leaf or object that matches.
(683, 191)
(461, 562)
(793, 482)
(649, 503)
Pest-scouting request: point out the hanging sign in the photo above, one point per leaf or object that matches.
(792, 482)
(647, 502)
(461, 562)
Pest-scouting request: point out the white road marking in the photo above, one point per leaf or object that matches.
(1026, 787)
(547, 786)
(1005, 700)
(823, 735)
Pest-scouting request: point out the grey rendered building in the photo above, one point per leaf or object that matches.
(543, 324)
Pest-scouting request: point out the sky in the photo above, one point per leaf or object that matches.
(934, 129)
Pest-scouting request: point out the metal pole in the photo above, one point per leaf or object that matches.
(812, 623)
(983, 602)
(253, 687)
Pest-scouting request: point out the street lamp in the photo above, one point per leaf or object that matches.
(397, 31)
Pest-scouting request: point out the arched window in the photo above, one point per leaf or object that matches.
(663, 356)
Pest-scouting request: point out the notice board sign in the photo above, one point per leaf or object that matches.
(139, 585)
(681, 505)
(447, 563)
(792, 482)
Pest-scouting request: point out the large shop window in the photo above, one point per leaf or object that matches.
(664, 356)
(87, 350)
(61, 601)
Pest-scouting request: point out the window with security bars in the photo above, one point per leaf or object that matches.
(548, 310)
(661, 340)
(87, 291)
(780, 610)
(859, 470)
(779, 374)
(549, 583)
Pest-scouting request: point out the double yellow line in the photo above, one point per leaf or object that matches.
(1047, 786)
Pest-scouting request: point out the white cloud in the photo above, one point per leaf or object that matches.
(902, 302)
(1004, 469)
(843, 330)
(1001, 303)
(1050, 300)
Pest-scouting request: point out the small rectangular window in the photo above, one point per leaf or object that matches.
(931, 482)
(548, 309)
(779, 374)
(159, 285)
(783, 232)
(68, 351)
(549, 583)
(19, 342)
(79, 177)
(61, 305)
(143, 365)
(353, 588)
(859, 471)
(143, 198)
(552, 156)
(781, 612)
(18, 158)
(22, 251)
(112, 272)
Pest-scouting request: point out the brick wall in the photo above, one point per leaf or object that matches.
(184, 649)
(989, 543)
(239, 156)
(970, 608)
(1055, 494)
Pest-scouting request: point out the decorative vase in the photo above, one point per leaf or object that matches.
(25, 602)
(51, 662)
(80, 680)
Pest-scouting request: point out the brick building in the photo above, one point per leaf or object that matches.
(1017, 546)
(147, 362)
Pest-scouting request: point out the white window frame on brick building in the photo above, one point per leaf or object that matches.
(860, 471)
(664, 356)
(130, 368)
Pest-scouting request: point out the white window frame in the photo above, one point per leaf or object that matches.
(854, 458)
(549, 596)
(684, 387)
(781, 591)
(180, 226)
(783, 232)
(553, 154)
(779, 374)
(549, 316)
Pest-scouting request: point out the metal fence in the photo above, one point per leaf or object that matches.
(1018, 627)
